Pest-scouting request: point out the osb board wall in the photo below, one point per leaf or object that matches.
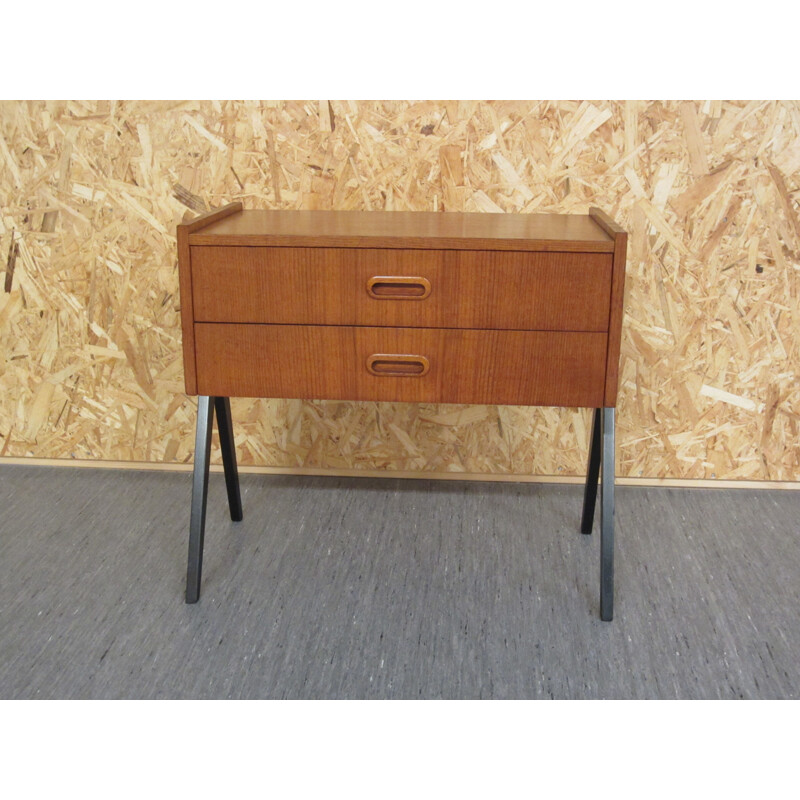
(89, 316)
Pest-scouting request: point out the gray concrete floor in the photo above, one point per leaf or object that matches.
(365, 588)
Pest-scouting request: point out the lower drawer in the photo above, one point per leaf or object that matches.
(426, 365)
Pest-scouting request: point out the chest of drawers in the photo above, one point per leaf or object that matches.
(405, 307)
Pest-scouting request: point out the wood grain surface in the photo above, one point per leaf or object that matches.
(215, 215)
(466, 366)
(90, 331)
(617, 309)
(418, 229)
(186, 309)
(185, 282)
(469, 289)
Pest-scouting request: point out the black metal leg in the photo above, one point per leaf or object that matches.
(202, 454)
(225, 426)
(607, 519)
(592, 474)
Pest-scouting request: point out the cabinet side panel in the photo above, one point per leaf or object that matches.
(615, 318)
(187, 313)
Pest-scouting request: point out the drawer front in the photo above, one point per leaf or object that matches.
(402, 288)
(401, 364)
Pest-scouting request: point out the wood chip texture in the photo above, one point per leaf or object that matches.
(91, 192)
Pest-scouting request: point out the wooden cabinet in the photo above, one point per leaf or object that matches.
(405, 306)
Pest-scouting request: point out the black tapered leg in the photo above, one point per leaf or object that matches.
(222, 406)
(607, 518)
(592, 475)
(202, 454)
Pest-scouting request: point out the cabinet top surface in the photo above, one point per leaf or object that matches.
(417, 229)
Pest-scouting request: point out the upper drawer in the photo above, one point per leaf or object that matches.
(410, 288)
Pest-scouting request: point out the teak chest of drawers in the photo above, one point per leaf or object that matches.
(507, 309)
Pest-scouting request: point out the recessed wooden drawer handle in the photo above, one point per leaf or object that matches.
(397, 366)
(398, 287)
